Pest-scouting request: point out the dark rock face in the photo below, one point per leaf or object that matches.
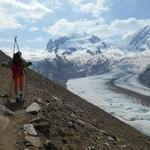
(94, 39)
(63, 70)
(145, 77)
(54, 45)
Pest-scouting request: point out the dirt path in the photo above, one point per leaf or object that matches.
(11, 135)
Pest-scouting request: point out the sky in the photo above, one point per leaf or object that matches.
(36, 21)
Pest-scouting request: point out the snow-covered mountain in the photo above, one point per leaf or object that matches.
(71, 57)
(140, 40)
(76, 42)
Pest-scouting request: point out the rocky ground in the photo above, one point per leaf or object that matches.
(52, 118)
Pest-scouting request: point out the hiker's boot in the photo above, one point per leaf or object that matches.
(17, 99)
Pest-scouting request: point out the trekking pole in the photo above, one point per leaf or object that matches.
(10, 91)
(17, 46)
(14, 45)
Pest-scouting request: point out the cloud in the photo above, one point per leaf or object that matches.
(37, 39)
(29, 54)
(12, 11)
(8, 22)
(32, 29)
(128, 26)
(55, 4)
(4, 40)
(63, 27)
(95, 8)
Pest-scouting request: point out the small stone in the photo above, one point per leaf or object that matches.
(49, 146)
(39, 100)
(26, 149)
(4, 110)
(91, 148)
(107, 144)
(33, 108)
(73, 115)
(27, 143)
(35, 141)
(81, 122)
(29, 129)
(124, 146)
(79, 111)
(103, 132)
(91, 127)
(71, 125)
(111, 139)
(56, 98)
(98, 138)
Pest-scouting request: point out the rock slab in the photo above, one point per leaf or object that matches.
(33, 108)
(29, 129)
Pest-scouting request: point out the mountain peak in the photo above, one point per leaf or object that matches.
(140, 40)
(76, 42)
(94, 39)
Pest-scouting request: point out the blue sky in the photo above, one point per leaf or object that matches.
(35, 21)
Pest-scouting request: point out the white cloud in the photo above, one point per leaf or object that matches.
(32, 29)
(8, 22)
(37, 39)
(63, 27)
(95, 8)
(98, 27)
(28, 53)
(13, 10)
(4, 40)
(53, 3)
(128, 26)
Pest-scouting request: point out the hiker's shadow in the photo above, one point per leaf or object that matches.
(14, 106)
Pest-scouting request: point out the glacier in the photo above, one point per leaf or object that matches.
(126, 108)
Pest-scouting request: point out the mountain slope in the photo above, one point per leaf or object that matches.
(62, 117)
(140, 40)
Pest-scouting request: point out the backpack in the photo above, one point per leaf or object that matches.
(17, 66)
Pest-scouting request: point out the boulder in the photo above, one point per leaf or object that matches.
(33, 108)
(29, 129)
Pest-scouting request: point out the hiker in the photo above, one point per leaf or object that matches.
(17, 65)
